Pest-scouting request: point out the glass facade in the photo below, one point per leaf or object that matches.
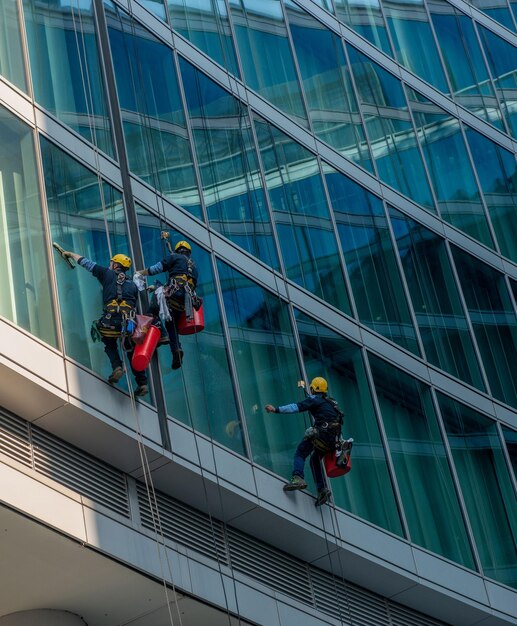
(329, 188)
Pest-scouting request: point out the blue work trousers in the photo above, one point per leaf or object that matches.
(306, 447)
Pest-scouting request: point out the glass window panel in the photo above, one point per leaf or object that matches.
(390, 130)
(494, 322)
(510, 438)
(80, 220)
(205, 363)
(486, 486)
(420, 460)
(497, 173)
(365, 17)
(25, 275)
(326, 79)
(468, 73)
(267, 368)
(497, 9)
(11, 56)
(65, 66)
(228, 163)
(370, 259)
(436, 302)
(302, 217)
(266, 57)
(326, 4)
(513, 6)
(450, 168)
(205, 23)
(154, 6)
(413, 40)
(367, 490)
(502, 60)
(154, 123)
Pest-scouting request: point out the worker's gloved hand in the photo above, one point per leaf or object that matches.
(270, 408)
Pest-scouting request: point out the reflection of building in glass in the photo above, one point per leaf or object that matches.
(346, 175)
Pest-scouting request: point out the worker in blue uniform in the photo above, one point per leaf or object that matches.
(179, 292)
(319, 438)
(119, 297)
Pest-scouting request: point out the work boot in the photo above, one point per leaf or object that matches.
(141, 390)
(116, 375)
(177, 358)
(296, 482)
(323, 496)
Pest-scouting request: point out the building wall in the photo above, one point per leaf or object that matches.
(347, 180)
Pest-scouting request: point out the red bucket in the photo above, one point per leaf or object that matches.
(195, 325)
(144, 351)
(332, 469)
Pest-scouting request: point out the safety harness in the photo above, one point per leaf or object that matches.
(327, 435)
(179, 286)
(117, 313)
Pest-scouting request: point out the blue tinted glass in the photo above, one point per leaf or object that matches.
(413, 40)
(267, 368)
(370, 259)
(65, 66)
(498, 10)
(502, 60)
(497, 173)
(326, 79)
(365, 17)
(510, 438)
(390, 130)
(11, 57)
(154, 6)
(205, 23)
(305, 232)
(266, 56)
(494, 321)
(449, 167)
(439, 312)
(154, 123)
(468, 74)
(232, 187)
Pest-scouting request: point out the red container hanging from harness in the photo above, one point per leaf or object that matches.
(144, 351)
(338, 462)
(194, 325)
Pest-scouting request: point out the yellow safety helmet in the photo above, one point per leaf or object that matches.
(121, 259)
(183, 244)
(319, 385)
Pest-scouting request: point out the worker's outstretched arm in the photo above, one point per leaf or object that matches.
(286, 408)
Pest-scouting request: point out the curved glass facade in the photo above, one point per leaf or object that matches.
(350, 203)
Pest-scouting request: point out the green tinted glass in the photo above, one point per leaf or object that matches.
(370, 259)
(421, 465)
(486, 486)
(11, 56)
(440, 316)
(26, 289)
(494, 322)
